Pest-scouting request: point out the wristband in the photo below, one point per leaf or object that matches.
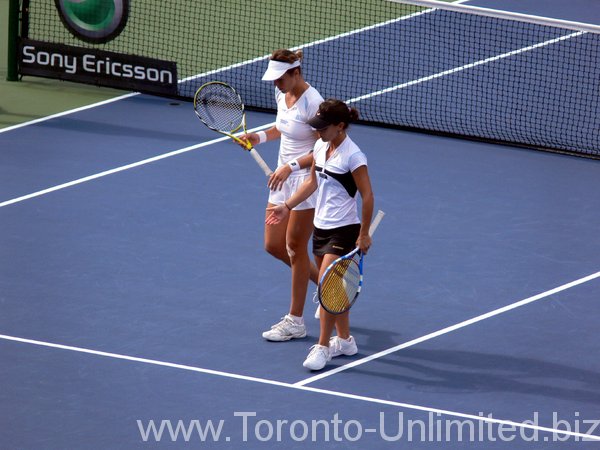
(294, 165)
(262, 137)
(287, 206)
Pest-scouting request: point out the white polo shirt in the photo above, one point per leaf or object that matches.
(297, 137)
(336, 193)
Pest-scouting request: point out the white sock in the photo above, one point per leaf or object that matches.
(297, 320)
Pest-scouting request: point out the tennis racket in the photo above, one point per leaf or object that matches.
(342, 281)
(221, 109)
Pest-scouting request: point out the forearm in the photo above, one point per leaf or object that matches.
(368, 205)
(304, 191)
(363, 183)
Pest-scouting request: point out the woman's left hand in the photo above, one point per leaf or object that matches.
(278, 214)
(364, 243)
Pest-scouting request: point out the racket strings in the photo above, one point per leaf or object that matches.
(340, 286)
(220, 107)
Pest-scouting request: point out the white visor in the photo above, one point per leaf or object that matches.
(276, 69)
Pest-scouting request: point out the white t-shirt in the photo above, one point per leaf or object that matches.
(297, 137)
(336, 192)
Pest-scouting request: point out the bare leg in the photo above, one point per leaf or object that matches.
(299, 230)
(275, 240)
(329, 321)
(275, 243)
(288, 242)
(342, 325)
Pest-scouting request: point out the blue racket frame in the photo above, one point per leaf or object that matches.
(350, 255)
(331, 266)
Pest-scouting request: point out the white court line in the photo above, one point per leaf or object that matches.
(301, 385)
(108, 172)
(446, 330)
(221, 69)
(149, 160)
(120, 169)
(353, 100)
(301, 388)
(65, 113)
(321, 41)
(465, 67)
(211, 72)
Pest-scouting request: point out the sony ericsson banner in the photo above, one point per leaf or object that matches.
(99, 67)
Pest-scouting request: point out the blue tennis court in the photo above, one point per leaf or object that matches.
(134, 289)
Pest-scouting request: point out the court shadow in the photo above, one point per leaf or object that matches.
(372, 341)
(448, 371)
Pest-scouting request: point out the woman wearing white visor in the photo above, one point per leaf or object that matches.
(297, 102)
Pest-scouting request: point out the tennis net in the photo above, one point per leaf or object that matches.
(418, 64)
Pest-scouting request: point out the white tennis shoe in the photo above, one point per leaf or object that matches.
(317, 358)
(339, 346)
(285, 330)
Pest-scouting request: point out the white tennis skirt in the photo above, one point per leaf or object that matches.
(290, 186)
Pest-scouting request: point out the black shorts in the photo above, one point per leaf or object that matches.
(337, 241)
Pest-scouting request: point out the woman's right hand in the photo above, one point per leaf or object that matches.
(249, 137)
(278, 213)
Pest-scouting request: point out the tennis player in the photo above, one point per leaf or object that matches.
(297, 101)
(338, 172)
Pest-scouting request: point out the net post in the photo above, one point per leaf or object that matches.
(12, 73)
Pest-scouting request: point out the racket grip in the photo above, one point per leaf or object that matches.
(375, 222)
(261, 162)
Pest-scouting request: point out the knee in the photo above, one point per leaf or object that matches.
(295, 249)
(275, 251)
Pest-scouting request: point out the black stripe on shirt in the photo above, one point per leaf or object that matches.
(345, 179)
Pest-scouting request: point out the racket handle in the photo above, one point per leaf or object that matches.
(261, 162)
(375, 222)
